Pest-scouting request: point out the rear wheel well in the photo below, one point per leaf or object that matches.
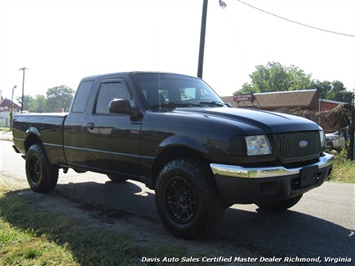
(32, 139)
(171, 154)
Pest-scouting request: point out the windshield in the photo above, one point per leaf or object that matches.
(162, 89)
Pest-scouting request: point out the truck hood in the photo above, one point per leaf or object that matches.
(263, 121)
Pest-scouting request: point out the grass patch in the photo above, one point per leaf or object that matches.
(343, 170)
(32, 236)
(21, 242)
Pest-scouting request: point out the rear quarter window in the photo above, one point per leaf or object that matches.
(82, 96)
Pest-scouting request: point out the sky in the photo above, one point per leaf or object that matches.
(62, 41)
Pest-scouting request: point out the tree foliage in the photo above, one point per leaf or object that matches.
(277, 77)
(27, 99)
(333, 91)
(57, 97)
(38, 104)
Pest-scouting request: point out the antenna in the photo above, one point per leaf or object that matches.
(158, 61)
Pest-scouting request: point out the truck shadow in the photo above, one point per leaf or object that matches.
(111, 199)
(289, 233)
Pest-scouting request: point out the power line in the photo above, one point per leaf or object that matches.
(296, 22)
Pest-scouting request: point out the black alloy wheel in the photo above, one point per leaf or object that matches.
(181, 199)
(187, 198)
(35, 169)
(42, 176)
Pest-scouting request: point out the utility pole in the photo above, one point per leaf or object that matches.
(23, 85)
(202, 39)
(203, 34)
(12, 106)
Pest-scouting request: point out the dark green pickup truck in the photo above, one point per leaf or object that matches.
(173, 133)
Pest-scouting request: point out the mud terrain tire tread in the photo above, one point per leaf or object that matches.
(209, 208)
(42, 176)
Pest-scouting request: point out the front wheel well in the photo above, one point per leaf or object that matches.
(172, 154)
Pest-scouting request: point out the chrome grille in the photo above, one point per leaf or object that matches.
(289, 144)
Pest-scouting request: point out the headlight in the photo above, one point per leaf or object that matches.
(323, 140)
(258, 145)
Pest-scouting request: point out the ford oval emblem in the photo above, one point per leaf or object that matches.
(303, 143)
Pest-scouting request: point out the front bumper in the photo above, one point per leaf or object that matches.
(239, 184)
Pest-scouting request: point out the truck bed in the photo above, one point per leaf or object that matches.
(46, 127)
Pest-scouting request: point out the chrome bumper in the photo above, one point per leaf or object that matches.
(266, 172)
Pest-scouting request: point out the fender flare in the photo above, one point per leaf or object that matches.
(183, 142)
(32, 132)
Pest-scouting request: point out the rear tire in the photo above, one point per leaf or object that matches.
(42, 176)
(187, 199)
(279, 205)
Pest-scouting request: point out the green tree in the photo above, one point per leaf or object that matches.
(246, 89)
(59, 97)
(276, 77)
(272, 77)
(333, 91)
(27, 99)
(38, 104)
(297, 79)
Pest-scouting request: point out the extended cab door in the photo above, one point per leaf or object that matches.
(111, 141)
(72, 133)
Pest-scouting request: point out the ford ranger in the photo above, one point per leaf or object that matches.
(174, 133)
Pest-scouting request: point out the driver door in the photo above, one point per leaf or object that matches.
(111, 141)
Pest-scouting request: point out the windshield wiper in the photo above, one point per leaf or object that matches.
(162, 105)
(173, 105)
(213, 103)
(200, 104)
(182, 104)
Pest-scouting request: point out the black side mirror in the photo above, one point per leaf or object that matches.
(122, 106)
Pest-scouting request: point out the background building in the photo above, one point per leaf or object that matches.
(272, 101)
(5, 110)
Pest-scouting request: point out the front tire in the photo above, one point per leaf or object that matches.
(187, 199)
(42, 176)
(279, 205)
